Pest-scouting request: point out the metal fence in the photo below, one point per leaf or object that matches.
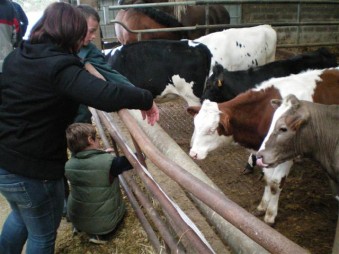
(300, 26)
(268, 238)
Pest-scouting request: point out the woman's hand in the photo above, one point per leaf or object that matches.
(152, 114)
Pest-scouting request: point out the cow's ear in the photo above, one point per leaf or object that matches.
(218, 69)
(294, 101)
(193, 110)
(276, 103)
(224, 125)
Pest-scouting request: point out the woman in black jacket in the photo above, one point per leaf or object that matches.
(44, 83)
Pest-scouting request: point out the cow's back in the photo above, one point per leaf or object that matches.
(327, 90)
(321, 86)
(152, 64)
(233, 83)
(241, 48)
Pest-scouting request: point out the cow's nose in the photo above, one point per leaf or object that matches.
(193, 154)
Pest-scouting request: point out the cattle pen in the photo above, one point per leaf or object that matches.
(175, 118)
(187, 206)
(261, 233)
(224, 215)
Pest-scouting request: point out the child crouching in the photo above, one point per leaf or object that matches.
(95, 205)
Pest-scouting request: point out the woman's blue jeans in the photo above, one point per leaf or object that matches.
(36, 213)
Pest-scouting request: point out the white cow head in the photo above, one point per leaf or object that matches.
(205, 136)
(279, 143)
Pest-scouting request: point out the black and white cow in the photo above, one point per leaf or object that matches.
(166, 68)
(241, 48)
(224, 85)
(180, 68)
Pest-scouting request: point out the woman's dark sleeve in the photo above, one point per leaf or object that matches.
(84, 88)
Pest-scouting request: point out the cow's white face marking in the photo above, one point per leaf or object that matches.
(302, 85)
(180, 87)
(205, 137)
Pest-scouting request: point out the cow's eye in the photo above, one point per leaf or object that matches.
(282, 129)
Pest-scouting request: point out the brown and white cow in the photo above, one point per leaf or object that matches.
(246, 120)
(306, 129)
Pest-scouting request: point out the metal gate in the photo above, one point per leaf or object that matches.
(297, 22)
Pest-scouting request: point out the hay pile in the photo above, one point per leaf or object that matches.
(129, 238)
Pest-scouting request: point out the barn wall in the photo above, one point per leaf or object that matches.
(105, 16)
(274, 13)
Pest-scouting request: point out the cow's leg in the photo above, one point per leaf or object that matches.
(276, 184)
(192, 138)
(262, 207)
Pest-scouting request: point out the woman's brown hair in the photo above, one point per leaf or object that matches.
(61, 24)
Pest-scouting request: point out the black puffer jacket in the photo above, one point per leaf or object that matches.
(42, 89)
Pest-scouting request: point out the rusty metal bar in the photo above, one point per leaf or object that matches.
(189, 28)
(208, 26)
(141, 216)
(101, 131)
(194, 239)
(153, 214)
(257, 230)
(227, 2)
(163, 229)
(139, 213)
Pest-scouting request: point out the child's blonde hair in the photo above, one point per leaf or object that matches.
(77, 135)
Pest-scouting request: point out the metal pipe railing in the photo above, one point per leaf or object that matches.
(194, 239)
(228, 2)
(139, 213)
(152, 213)
(189, 28)
(142, 218)
(257, 230)
(174, 246)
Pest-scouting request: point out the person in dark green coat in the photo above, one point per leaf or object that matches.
(95, 63)
(94, 59)
(95, 205)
